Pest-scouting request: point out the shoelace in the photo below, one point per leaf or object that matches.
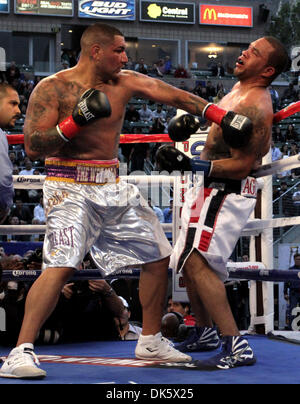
(168, 342)
(22, 357)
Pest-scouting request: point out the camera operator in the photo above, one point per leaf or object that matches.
(12, 300)
(86, 310)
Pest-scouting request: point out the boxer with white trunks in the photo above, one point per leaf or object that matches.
(74, 119)
(213, 218)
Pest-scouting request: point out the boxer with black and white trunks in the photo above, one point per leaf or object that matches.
(213, 217)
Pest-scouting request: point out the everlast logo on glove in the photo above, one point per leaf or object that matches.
(238, 122)
(249, 187)
(84, 110)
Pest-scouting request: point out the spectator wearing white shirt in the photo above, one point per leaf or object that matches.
(159, 112)
(145, 113)
(276, 153)
(39, 213)
(127, 330)
(28, 170)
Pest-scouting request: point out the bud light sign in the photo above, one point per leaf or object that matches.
(116, 10)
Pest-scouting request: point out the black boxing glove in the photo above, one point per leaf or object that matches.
(170, 159)
(237, 129)
(92, 105)
(182, 127)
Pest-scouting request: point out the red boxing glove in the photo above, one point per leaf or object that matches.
(68, 128)
(213, 113)
(237, 129)
(92, 105)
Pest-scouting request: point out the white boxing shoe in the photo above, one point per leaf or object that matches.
(22, 363)
(158, 348)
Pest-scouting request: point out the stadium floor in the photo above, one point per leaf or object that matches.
(113, 362)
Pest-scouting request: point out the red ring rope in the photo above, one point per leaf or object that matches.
(19, 139)
(279, 116)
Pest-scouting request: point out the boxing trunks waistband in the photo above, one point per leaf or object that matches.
(246, 187)
(85, 172)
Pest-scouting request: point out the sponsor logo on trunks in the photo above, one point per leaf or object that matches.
(97, 175)
(56, 199)
(249, 187)
(100, 361)
(61, 237)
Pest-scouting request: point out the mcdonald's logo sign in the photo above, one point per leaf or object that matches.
(210, 13)
(234, 16)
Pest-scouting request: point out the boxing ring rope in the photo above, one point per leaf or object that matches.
(262, 274)
(255, 274)
(259, 229)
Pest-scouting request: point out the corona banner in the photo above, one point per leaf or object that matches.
(233, 16)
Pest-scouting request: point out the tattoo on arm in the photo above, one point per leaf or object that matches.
(261, 131)
(45, 142)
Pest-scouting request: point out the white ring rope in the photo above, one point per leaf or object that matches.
(36, 181)
(253, 226)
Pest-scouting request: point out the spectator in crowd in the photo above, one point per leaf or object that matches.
(218, 70)
(39, 212)
(22, 212)
(158, 126)
(127, 330)
(276, 153)
(183, 86)
(291, 134)
(129, 65)
(156, 70)
(141, 67)
(157, 211)
(145, 113)
(28, 170)
(86, 309)
(296, 199)
(159, 112)
(277, 135)
(65, 65)
(14, 220)
(181, 72)
(198, 88)
(13, 158)
(132, 115)
(210, 91)
(289, 94)
(12, 72)
(285, 151)
(168, 213)
(294, 149)
(9, 112)
(137, 156)
(292, 291)
(16, 170)
(184, 308)
(275, 98)
(218, 97)
(167, 67)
